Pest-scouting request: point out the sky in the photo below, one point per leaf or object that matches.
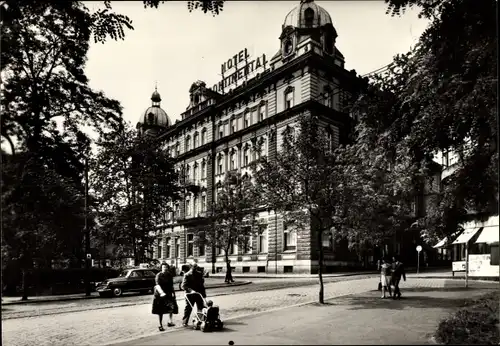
(174, 48)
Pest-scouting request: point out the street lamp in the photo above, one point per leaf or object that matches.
(87, 230)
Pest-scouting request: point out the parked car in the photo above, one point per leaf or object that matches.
(130, 280)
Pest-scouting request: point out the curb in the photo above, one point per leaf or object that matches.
(65, 299)
(480, 279)
(294, 276)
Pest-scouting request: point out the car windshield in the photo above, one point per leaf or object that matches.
(123, 274)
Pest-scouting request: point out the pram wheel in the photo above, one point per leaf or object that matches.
(203, 327)
(219, 325)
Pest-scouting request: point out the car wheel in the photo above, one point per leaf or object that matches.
(117, 292)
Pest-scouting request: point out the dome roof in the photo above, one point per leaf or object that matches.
(156, 97)
(307, 15)
(155, 116)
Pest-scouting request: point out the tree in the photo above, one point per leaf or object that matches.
(442, 96)
(42, 215)
(303, 182)
(134, 182)
(232, 216)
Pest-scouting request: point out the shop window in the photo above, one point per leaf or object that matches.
(495, 254)
(288, 269)
(261, 269)
(246, 269)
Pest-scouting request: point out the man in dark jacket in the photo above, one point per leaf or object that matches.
(397, 271)
(193, 282)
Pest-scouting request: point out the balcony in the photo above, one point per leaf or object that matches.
(192, 185)
(449, 170)
(192, 219)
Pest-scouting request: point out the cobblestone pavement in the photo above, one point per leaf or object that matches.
(119, 323)
(10, 311)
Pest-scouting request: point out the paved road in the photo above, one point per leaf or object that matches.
(39, 309)
(124, 322)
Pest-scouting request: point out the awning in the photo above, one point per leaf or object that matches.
(443, 242)
(446, 240)
(466, 235)
(489, 235)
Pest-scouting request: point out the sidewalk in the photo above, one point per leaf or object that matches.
(210, 283)
(357, 319)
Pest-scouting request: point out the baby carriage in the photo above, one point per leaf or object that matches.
(208, 319)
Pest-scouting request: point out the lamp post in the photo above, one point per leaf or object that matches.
(87, 231)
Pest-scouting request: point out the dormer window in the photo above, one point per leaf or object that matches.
(151, 118)
(309, 17)
(196, 99)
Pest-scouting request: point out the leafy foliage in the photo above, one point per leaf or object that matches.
(303, 182)
(134, 182)
(212, 6)
(441, 97)
(42, 213)
(233, 214)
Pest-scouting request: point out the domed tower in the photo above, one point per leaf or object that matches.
(154, 120)
(308, 21)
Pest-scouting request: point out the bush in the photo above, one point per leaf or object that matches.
(475, 324)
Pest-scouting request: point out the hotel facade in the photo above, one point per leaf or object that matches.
(243, 117)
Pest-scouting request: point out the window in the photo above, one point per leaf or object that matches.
(195, 205)
(247, 242)
(177, 211)
(203, 203)
(220, 168)
(247, 119)
(327, 96)
(327, 240)
(177, 247)
(160, 248)
(329, 139)
(195, 172)
(221, 131)
(188, 144)
(289, 238)
(246, 157)
(495, 254)
(233, 161)
(188, 172)
(135, 274)
(263, 241)
(177, 149)
(203, 170)
(289, 98)
(262, 112)
(169, 249)
(233, 249)
(190, 245)
(233, 126)
(203, 135)
(188, 207)
(309, 16)
(196, 138)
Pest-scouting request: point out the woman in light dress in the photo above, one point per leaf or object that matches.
(385, 277)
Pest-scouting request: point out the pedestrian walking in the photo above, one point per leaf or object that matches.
(397, 272)
(193, 282)
(164, 301)
(385, 277)
(229, 277)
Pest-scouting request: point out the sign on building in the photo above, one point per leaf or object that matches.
(238, 68)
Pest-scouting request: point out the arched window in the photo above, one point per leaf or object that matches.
(188, 172)
(309, 17)
(195, 172)
(188, 143)
(289, 97)
(196, 139)
(203, 136)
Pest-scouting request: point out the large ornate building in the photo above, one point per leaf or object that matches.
(222, 131)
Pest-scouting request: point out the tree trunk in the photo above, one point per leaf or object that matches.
(320, 270)
(229, 276)
(214, 258)
(25, 284)
(134, 248)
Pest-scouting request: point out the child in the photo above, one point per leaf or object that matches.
(208, 306)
